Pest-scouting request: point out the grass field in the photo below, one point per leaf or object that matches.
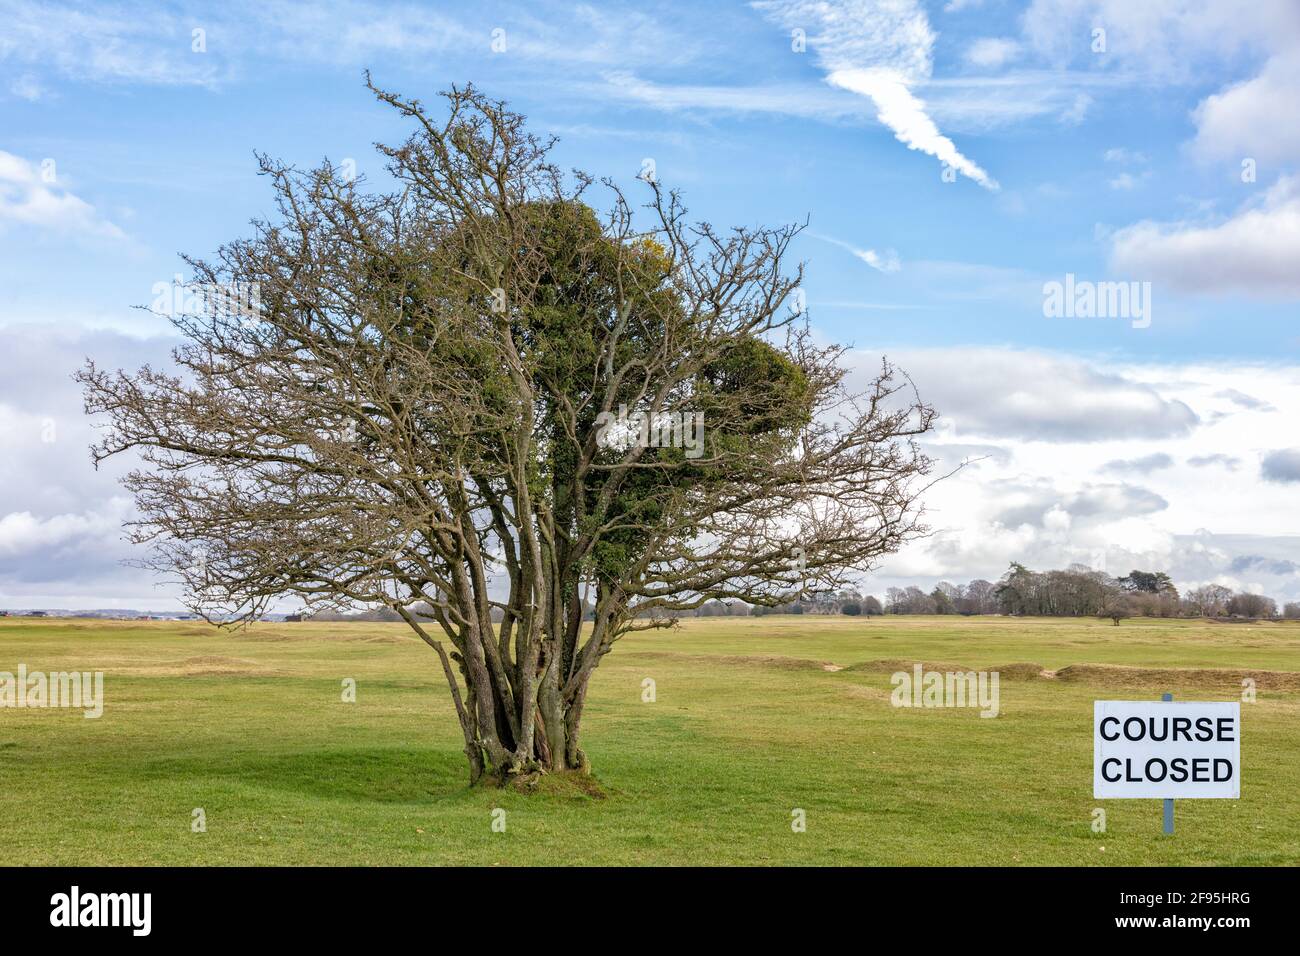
(752, 718)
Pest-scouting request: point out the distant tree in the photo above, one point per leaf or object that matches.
(871, 605)
(1017, 591)
(851, 608)
(1252, 606)
(1208, 600)
(1116, 604)
(1117, 612)
(980, 598)
(1149, 582)
(1291, 611)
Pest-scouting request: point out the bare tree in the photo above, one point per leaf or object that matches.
(1209, 600)
(1245, 604)
(474, 396)
(1116, 605)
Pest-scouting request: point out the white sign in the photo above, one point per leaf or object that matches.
(1152, 749)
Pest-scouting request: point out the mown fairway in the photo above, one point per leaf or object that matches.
(752, 719)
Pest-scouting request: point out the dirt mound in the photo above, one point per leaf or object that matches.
(1119, 675)
(1024, 670)
(785, 663)
(571, 784)
(207, 666)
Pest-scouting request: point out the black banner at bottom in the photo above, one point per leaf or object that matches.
(302, 905)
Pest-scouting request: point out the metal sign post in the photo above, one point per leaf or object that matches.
(1169, 803)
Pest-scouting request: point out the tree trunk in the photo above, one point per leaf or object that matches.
(490, 746)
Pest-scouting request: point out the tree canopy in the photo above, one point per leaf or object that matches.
(475, 396)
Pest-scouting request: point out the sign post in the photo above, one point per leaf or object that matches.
(1169, 801)
(1166, 750)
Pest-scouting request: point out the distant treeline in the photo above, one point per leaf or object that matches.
(1077, 591)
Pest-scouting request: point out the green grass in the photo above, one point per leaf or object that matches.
(749, 723)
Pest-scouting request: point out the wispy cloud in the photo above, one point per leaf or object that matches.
(111, 44)
(27, 87)
(886, 261)
(1139, 466)
(783, 99)
(880, 50)
(992, 51)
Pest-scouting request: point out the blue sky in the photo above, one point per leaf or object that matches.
(122, 145)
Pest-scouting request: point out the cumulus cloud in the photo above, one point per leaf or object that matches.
(1039, 506)
(1006, 393)
(23, 533)
(1245, 120)
(61, 539)
(1258, 562)
(1179, 41)
(1282, 466)
(1255, 251)
(1042, 504)
(880, 50)
(31, 196)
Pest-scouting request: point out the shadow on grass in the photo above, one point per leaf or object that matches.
(375, 775)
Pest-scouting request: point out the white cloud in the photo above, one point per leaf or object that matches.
(902, 112)
(144, 43)
(886, 261)
(992, 51)
(814, 103)
(1077, 110)
(880, 50)
(1250, 119)
(1126, 181)
(1039, 396)
(1064, 419)
(1182, 506)
(1122, 154)
(1162, 40)
(1255, 251)
(105, 45)
(22, 533)
(27, 87)
(29, 197)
